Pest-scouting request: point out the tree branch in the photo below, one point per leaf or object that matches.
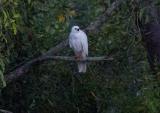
(5, 111)
(23, 69)
(67, 58)
(94, 27)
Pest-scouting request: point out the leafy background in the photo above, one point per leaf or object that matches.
(30, 27)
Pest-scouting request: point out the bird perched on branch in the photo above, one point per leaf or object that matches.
(79, 43)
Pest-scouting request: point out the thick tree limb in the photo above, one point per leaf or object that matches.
(5, 111)
(23, 69)
(94, 27)
(88, 59)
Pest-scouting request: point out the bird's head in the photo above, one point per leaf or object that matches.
(75, 29)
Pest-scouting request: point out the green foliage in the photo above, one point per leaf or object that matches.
(30, 27)
(9, 21)
(2, 81)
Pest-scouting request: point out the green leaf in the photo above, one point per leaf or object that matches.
(14, 28)
(2, 81)
(2, 65)
(16, 15)
(29, 1)
(5, 16)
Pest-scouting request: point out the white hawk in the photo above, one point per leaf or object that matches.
(79, 43)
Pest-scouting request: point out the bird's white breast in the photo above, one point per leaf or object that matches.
(78, 41)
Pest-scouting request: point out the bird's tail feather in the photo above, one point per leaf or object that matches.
(82, 67)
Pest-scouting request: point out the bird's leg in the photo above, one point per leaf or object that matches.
(78, 55)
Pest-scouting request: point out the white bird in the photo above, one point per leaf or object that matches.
(79, 43)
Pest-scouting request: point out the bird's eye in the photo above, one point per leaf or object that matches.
(77, 29)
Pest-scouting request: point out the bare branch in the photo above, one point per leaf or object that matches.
(57, 48)
(23, 69)
(94, 27)
(5, 111)
(88, 59)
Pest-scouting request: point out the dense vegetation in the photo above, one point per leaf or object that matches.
(28, 28)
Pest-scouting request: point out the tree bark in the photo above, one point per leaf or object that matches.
(5, 111)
